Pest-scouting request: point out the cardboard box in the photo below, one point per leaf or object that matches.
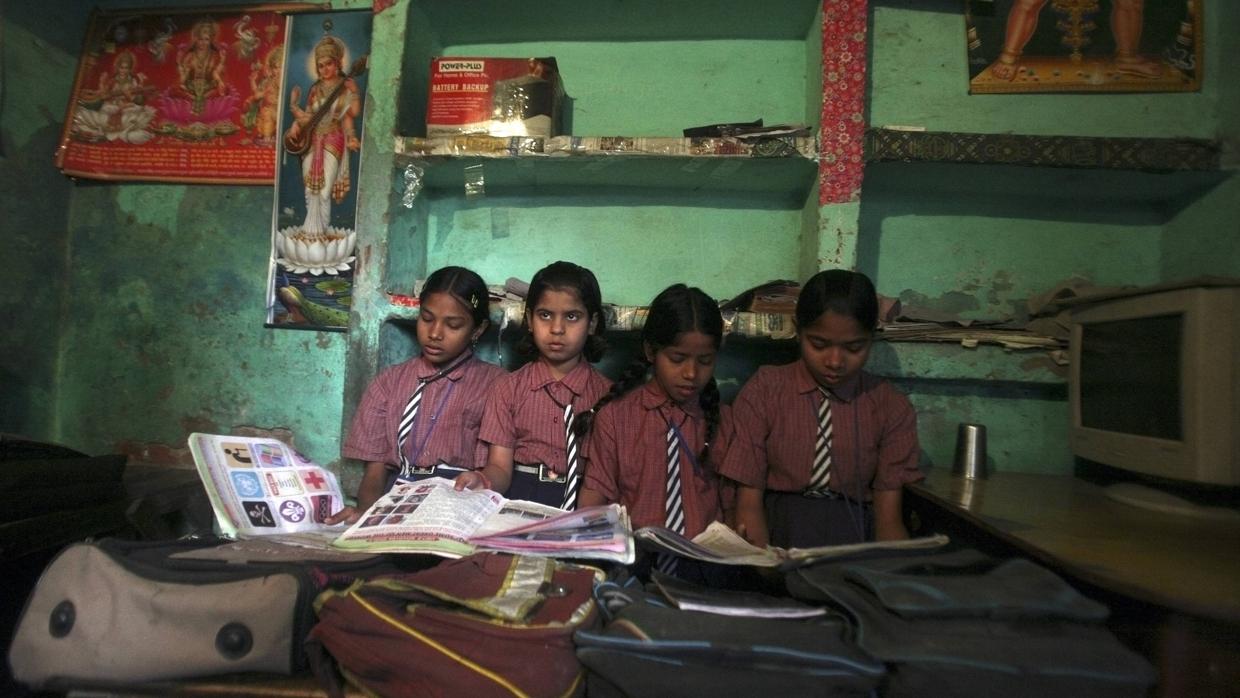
(495, 96)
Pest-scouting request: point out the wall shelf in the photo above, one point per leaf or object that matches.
(655, 168)
(1147, 154)
(1138, 181)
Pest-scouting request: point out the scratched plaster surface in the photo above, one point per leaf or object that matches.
(164, 334)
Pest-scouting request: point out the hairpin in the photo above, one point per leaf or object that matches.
(473, 300)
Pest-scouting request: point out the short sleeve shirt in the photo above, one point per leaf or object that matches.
(776, 418)
(525, 411)
(446, 427)
(627, 447)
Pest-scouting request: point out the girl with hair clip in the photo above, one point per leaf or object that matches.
(421, 417)
(533, 450)
(822, 448)
(651, 448)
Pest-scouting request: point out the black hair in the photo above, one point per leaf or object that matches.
(465, 286)
(566, 276)
(839, 291)
(676, 310)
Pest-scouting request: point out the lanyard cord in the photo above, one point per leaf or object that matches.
(413, 431)
(688, 448)
(413, 435)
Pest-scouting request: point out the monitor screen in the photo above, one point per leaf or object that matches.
(1130, 376)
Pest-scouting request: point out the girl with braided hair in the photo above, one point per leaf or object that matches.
(653, 438)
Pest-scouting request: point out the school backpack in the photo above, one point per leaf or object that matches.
(490, 624)
(745, 645)
(118, 612)
(961, 623)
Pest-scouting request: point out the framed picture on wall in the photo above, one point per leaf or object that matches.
(313, 229)
(1025, 46)
(177, 95)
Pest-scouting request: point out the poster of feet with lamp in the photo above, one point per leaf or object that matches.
(1026, 46)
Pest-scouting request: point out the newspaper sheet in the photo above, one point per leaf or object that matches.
(722, 545)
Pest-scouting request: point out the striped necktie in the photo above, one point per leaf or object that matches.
(407, 420)
(821, 473)
(410, 416)
(572, 474)
(673, 503)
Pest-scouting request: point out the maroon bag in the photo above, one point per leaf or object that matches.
(490, 624)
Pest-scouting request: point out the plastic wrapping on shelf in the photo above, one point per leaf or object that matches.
(559, 146)
(475, 181)
(727, 146)
(475, 145)
(759, 325)
(625, 317)
(415, 178)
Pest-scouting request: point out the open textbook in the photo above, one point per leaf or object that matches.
(261, 487)
(722, 545)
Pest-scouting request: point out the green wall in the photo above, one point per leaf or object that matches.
(974, 242)
(138, 312)
(39, 55)
(139, 307)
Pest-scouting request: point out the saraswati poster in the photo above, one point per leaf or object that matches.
(182, 95)
(314, 233)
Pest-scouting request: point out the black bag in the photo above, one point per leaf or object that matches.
(650, 648)
(964, 624)
(123, 611)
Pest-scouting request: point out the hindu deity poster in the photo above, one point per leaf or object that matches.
(185, 95)
(1022, 46)
(313, 237)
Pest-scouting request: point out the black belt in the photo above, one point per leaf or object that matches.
(823, 494)
(544, 473)
(429, 470)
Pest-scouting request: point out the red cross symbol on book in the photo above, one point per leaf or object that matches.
(313, 480)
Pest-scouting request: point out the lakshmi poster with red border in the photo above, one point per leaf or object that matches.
(314, 231)
(177, 95)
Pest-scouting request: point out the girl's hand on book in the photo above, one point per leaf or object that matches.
(472, 480)
(348, 515)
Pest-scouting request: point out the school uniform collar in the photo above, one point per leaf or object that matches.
(576, 380)
(425, 370)
(805, 383)
(654, 398)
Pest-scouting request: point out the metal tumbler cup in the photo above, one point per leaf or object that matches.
(970, 459)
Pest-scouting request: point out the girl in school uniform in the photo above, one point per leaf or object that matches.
(421, 417)
(655, 434)
(532, 450)
(822, 448)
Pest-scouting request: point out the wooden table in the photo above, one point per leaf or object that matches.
(1173, 582)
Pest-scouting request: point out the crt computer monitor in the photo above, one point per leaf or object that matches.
(1155, 384)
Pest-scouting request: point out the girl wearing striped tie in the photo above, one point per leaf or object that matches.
(533, 452)
(421, 417)
(822, 448)
(655, 435)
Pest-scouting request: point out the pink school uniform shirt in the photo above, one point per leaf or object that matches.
(874, 443)
(525, 411)
(627, 448)
(446, 429)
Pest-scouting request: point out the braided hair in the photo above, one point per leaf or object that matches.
(676, 310)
